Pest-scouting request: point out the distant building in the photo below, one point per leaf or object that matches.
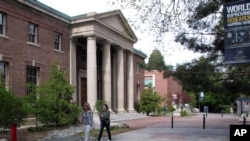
(242, 105)
(138, 74)
(167, 87)
(96, 49)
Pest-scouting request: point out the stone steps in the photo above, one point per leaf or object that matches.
(125, 116)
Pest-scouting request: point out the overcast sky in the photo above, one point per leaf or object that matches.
(77, 7)
(173, 55)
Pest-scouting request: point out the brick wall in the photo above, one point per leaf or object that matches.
(19, 54)
(138, 77)
(165, 86)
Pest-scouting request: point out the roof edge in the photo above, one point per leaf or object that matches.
(140, 53)
(46, 9)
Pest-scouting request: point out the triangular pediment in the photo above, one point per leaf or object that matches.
(117, 21)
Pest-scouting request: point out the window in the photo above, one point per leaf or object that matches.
(32, 33)
(2, 23)
(58, 41)
(32, 78)
(137, 68)
(3, 74)
(149, 81)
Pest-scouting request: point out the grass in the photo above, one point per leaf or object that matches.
(114, 130)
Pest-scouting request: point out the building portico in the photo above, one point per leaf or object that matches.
(101, 60)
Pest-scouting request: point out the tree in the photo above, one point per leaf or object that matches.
(216, 102)
(54, 102)
(13, 110)
(196, 76)
(150, 101)
(185, 98)
(181, 17)
(32, 101)
(203, 75)
(156, 61)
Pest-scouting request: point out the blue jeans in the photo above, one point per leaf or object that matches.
(107, 125)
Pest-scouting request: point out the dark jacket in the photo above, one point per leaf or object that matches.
(105, 116)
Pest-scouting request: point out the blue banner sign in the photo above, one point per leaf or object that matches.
(237, 32)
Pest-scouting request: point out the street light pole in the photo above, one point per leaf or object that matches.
(199, 105)
(200, 98)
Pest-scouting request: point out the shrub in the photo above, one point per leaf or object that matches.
(159, 110)
(98, 105)
(137, 106)
(54, 104)
(225, 108)
(171, 109)
(13, 109)
(184, 113)
(35, 129)
(150, 101)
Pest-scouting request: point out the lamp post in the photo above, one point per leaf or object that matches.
(200, 99)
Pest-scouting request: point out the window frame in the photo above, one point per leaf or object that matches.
(32, 33)
(31, 79)
(5, 73)
(58, 41)
(138, 68)
(2, 23)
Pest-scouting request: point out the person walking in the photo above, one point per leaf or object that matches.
(246, 109)
(105, 121)
(86, 117)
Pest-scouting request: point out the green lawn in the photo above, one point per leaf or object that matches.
(114, 130)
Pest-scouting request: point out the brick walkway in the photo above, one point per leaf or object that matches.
(184, 128)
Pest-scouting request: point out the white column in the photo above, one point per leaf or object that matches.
(130, 82)
(114, 83)
(120, 81)
(106, 72)
(91, 71)
(72, 70)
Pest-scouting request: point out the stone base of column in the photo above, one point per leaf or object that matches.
(132, 111)
(121, 111)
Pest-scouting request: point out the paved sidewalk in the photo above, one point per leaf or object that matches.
(184, 128)
(160, 129)
(180, 134)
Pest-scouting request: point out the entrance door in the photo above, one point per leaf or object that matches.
(83, 91)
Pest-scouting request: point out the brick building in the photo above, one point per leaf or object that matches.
(96, 48)
(166, 87)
